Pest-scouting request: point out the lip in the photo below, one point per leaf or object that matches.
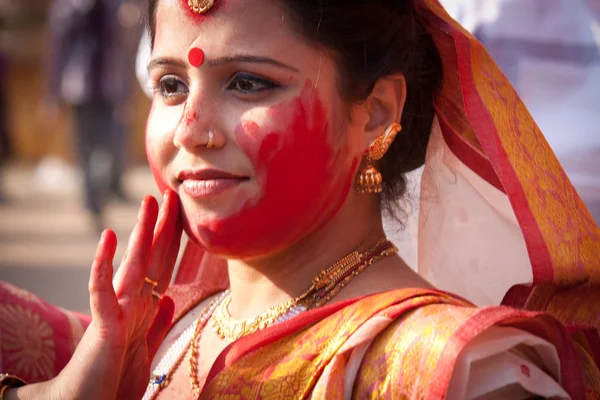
(204, 183)
(206, 174)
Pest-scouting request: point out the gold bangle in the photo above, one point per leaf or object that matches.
(2, 390)
(8, 381)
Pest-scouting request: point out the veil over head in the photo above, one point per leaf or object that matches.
(496, 208)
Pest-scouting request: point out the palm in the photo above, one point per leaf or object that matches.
(134, 377)
(128, 319)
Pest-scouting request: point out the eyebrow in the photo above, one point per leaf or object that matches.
(157, 62)
(221, 61)
(249, 59)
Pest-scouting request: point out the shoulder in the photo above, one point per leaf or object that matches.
(457, 351)
(507, 362)
(405, 357)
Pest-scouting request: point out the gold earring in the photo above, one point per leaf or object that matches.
(370, 180)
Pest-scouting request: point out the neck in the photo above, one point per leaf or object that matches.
(260, 283)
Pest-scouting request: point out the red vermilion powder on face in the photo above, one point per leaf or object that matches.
(153, 161)
(155, 169)
(303, 177)
(156, 173)
(196, 57)
(189, 117)
(304, 180)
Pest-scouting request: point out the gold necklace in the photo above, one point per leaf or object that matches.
(344, 277)
(227, 327)
(193, 345)
(324, 287)
(329, 278)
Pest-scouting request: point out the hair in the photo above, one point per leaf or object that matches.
(369, 40)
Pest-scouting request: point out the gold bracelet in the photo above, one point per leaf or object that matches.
(8, 381)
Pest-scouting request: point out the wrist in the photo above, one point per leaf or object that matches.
(9, 382)
(39, 391)
(46, 390)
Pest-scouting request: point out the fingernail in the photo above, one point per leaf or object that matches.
(165, 195)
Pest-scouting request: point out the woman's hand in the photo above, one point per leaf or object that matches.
(129, 321)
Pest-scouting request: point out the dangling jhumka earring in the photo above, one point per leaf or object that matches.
(201, 6)
(369, 180)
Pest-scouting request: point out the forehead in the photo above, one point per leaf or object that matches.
(231, 25)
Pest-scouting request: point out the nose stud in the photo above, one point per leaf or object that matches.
(210, 142)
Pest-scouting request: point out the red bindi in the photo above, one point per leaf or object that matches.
(196, 57)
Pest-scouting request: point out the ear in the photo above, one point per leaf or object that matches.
(384, 105)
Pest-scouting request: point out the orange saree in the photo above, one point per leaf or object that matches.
(487, 161)
(396, 345)
(535, 248)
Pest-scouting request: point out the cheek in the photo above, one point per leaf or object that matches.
(295, 165)
(304, 178)
(158, 144)
(155, 165)
(301, 156)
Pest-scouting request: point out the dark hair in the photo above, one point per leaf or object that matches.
(369, 40)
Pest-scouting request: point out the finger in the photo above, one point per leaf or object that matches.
(103, 300)
(120, 275)
(171, 260)
(167, 237)
(131, 273)
(163, 232)
(161, 325)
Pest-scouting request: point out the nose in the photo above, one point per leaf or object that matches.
(194, 133)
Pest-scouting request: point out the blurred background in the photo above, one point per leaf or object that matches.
(72, 118)
(53, 136)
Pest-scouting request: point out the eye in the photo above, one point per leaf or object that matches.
(248, 84)
(170, 87)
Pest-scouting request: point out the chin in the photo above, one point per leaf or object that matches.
(203, 223)
(249, 227)
(213, 244)
(216, 237)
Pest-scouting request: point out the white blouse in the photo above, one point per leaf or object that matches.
(507, 363)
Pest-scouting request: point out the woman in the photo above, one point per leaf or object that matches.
(283, 129)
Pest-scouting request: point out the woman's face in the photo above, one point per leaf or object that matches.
(284, 160)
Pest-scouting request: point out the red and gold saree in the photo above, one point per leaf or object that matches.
(498, 221)
(402, 344)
